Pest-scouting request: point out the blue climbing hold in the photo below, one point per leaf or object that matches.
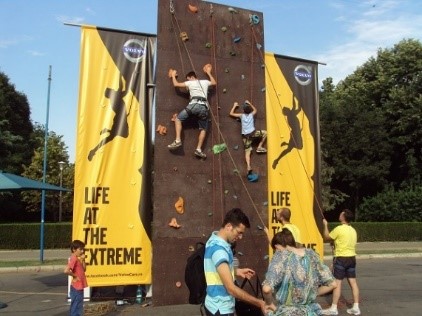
(253, 177)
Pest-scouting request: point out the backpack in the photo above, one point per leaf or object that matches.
(195, 275)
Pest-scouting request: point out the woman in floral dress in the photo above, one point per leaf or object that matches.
(295, 277)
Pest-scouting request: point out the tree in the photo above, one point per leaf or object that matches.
(370, 123)
(56, 151)
(15, 128)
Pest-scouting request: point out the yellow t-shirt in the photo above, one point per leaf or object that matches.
(294, 230)
(345, 239)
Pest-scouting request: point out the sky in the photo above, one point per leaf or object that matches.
(34, 35)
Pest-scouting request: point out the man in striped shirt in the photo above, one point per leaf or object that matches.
(219, 271)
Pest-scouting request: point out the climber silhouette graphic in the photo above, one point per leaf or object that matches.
(120, 125)
(295, 140)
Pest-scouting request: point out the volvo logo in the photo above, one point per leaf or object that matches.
(303, 74)
(134, 50)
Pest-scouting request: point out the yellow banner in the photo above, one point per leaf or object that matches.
(293, 146)
(110, 158)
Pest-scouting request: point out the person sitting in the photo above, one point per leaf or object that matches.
(295, 277)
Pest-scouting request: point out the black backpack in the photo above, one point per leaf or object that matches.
(195, 275)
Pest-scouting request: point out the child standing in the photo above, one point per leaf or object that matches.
(249, 134)
(76, 269)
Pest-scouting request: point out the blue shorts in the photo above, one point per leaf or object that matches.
(344, 267)
(199, 110)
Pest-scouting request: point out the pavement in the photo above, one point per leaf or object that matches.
(42, 290)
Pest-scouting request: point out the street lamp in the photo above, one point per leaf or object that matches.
(61, 165)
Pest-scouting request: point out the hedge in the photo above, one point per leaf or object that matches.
(59, 235)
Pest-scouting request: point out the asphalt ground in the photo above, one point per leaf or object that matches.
(389, 277)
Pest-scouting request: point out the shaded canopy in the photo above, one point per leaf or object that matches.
(10, 181)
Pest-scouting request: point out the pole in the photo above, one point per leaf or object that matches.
(44, 169)
(61, 165)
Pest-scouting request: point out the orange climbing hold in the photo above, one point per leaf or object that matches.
(193, 8)
(180, 205)
(171, 71)
(207, 67)
(162, 130)
(173, 223)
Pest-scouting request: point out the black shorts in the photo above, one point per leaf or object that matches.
(208, 313)
(344, 267)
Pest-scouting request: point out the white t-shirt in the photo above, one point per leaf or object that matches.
(248, 125)
(198, 88)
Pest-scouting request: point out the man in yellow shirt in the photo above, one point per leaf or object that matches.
(283, 215)
(344, 237)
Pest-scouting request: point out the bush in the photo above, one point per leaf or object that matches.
(393, 206)
(27, 236)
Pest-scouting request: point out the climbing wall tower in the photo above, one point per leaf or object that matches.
(196, 193)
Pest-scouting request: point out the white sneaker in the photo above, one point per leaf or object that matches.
(329, 311)
(353, 311)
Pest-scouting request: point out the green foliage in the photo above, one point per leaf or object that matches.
(27, 236)
(15, 128)
(370, 124)
(393, 206)
(56, 151)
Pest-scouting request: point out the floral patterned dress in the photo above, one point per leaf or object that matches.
(294, 280)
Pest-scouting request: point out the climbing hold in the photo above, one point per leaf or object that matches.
(173, 223)
(266, 257)
(170, 73)
(236, 147)
(210, 214)
(237, 39)
(262, 65)
(224, 90)
(232, 53)
(253, 177)
(265, 203)
(209, 181)
(180, 205)
(191, 248)
(226, 191)
(162, 130)
(184, 36)
(242, 77)
(224, 29)
(235, 171)
(259, 227)
(259, 46)
(219, 148)
(232, 10)
(226, 70)
(207, 67)
(263, 89)
(178, 284)
(235, 197)
(208, 45)
(240, 253)
(174, 168)
(192, 8)
(253, 19)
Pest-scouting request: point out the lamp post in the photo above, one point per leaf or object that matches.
(61, 165)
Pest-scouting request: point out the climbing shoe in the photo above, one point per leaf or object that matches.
(200, 154)
(174, 145)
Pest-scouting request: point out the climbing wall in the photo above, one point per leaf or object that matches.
(190, 35)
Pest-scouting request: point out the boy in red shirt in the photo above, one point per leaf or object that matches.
(76, 269)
